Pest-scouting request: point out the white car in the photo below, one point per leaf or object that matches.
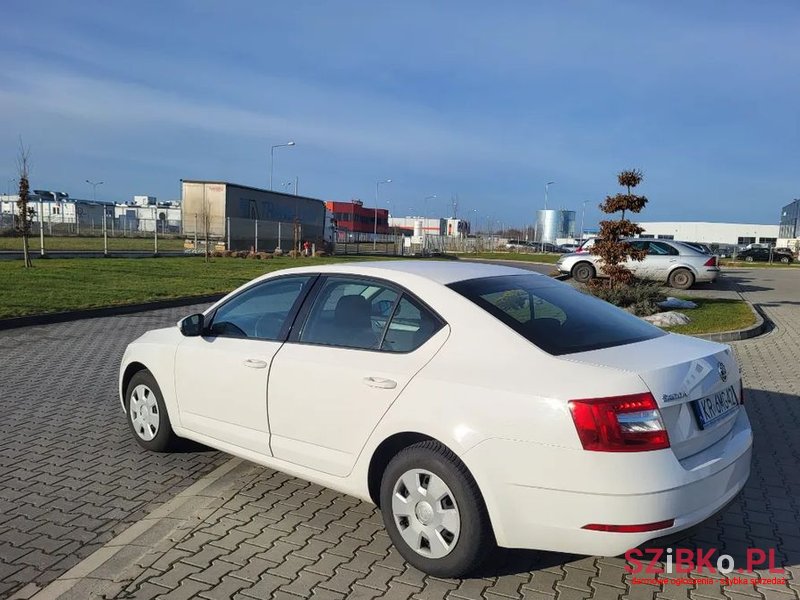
(678, 264)
(476, 404)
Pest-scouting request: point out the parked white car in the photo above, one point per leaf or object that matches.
(677, 264)
(477, 405)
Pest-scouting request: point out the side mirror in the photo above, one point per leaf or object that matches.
(192, 326)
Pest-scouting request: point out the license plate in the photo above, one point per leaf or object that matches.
(712, 408)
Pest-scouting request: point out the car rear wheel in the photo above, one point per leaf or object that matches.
(785, 260)
(583, 272)
(748, 259)
(681, 279)
(147, 414)
(434, 512)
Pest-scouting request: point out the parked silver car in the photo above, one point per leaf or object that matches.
(675, 263)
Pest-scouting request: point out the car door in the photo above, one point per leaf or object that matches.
(639, 267)
(358, 344)
(221, 376)
(661, 258)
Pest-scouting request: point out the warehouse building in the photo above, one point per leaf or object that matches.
(244, 218)
(733, 234)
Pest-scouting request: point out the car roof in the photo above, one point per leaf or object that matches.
(439, 271)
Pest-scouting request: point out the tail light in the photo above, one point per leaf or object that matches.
(619, 424)
(711, 262)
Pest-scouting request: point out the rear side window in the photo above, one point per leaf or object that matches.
(555, 317)
(661, 249)
(411, 326)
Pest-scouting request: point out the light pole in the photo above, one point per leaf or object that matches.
(546, 188)
(272, 159)
(94, 185)
(583, 214)
(424, 221)
(375, 219)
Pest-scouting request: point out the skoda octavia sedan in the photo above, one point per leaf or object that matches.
(477, 405)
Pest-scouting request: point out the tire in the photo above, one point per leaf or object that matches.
(456, 526)
(150, 427)
(583, 272)
(785, 260)
(681, 279)
(748, 259)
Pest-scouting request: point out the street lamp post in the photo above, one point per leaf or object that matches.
(424, 221)
(546, 188)
(583, 214)
(375, 219)
(94, 185)
(272, 159)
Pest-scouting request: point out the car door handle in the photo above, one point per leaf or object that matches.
(380, 382)
(254, 363)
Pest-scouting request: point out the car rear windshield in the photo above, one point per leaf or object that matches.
(554, 316)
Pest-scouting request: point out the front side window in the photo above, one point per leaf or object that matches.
(351, 313)
(260, 312)
(555, 317)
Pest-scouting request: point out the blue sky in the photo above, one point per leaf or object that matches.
(486, 101)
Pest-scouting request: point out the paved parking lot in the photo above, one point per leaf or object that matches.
(71, 478)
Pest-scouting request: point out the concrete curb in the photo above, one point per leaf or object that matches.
(761, 325)
(107, 311)
(111, 565)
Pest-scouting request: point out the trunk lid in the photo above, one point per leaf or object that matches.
(680, 370)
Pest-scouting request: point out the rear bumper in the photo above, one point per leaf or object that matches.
(528, 511)
(707, 274)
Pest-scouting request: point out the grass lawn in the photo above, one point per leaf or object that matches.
(713, 315)
(93, 243)
(55, 285)
(523, 256)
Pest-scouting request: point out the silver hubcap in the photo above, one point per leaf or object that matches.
(144, 412)
(426, 514)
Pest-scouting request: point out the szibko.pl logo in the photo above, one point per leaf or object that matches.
(697, 560)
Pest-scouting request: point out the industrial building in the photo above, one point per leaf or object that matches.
(417, 227)
(354, 217)
(245, 217)
(554, 226)
(734, 234)
(54, 209)
(789, 228)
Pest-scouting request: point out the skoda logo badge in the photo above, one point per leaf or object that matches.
(723, 373)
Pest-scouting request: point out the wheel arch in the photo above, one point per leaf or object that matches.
(384, 453)
(130, 370)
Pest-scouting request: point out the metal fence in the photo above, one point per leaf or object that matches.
(92, 235)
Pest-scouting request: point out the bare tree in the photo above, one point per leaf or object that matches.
(611, 247)
(25, 213)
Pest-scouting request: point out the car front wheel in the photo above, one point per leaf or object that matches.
(748, 259)
(147, 414)
(583, 272)
(681, 279)
(785, 260)
(434, 512)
